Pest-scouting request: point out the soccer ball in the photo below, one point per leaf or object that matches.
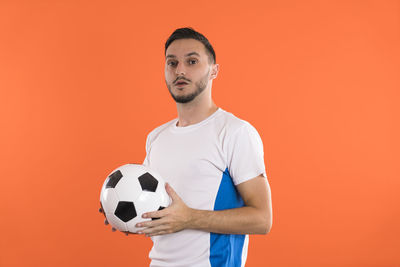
(128, 192)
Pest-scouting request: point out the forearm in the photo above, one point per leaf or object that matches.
(254, 218)
(244, 220)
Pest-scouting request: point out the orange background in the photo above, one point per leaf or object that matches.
(82, 84)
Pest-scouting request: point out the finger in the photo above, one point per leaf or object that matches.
(155, 214)
(113, 229)
(157, 218)
(105, 222)
(150, 224)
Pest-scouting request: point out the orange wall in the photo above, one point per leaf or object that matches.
(82, 84)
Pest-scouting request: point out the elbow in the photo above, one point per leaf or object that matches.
(265, 229)
(266, 225)
(268, 229)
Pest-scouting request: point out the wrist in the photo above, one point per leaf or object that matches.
(191, 218)
(195, 219)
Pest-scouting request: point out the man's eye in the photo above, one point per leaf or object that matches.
(192, 61)
(171, 63)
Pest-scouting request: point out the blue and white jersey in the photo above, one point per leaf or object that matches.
(203, 163)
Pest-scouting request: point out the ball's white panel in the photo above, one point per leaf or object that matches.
(146, 202)
(165, 200)
(103, 187)
(115, 222)
(109, 200)
(128, 188)
(163, 196)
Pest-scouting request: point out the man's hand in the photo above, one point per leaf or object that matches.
(172, 219)
(106, 222)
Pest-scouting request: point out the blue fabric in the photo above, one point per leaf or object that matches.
(226, 250)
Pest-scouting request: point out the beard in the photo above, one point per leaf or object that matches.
(200, 86)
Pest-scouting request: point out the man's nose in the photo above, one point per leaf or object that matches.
(180, 69)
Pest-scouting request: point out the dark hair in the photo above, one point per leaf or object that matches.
(190, 33)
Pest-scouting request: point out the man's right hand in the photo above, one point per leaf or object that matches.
(106, 222)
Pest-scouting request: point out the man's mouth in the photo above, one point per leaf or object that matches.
(180, 83)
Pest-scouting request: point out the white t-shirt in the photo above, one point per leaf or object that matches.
(203, 162)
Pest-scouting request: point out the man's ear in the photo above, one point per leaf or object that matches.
(214, 71)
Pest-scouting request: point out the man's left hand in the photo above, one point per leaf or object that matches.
(172, 219)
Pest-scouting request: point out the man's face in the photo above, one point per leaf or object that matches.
(187, 69)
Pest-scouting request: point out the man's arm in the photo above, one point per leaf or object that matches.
(254, 218)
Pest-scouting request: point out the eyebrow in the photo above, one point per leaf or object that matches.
(187, 55)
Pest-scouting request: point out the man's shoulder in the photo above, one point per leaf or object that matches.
(232, 123)
(159, 129)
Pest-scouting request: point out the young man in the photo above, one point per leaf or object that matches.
(213, 164)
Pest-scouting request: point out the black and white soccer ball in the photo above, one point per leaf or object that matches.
(128, 192)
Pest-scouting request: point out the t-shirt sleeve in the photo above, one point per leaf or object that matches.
(245, 154)
(146, 159)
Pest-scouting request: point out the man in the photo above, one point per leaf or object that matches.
(213, 164)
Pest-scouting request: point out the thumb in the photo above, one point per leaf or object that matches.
(171, 192)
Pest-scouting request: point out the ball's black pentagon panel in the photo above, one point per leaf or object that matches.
(160, 208)
(125, 211)
(113, 179)
(148, 182)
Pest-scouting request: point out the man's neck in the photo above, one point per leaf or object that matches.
(192, 113)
